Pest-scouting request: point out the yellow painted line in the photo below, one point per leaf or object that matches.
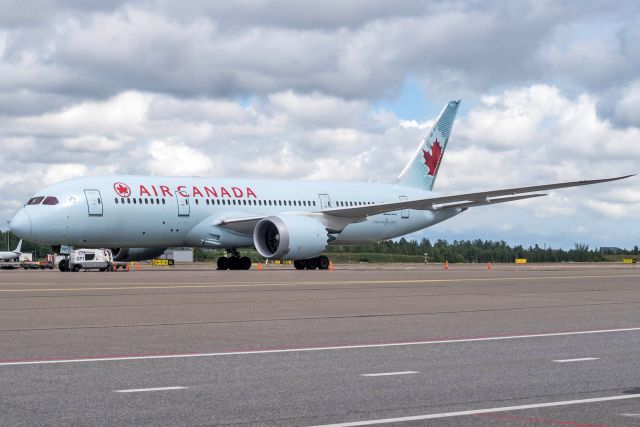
(310, 283)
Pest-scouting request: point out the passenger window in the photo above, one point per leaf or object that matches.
(134, 201)
(128, 201)
(163, 201)
(122, 200)
(45, 201)
(146, 201)
(197, 202)
(244, 202)
(116, 200)
(151, 200)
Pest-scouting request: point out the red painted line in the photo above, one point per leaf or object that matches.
(535, 420)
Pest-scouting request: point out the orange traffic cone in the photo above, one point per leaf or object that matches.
(446, 265)
(127, 266)
(138, 266)
(330, 264)
(489, 266)
(259, 266)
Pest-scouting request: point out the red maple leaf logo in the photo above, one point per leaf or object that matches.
(121, 189)
(432, 159)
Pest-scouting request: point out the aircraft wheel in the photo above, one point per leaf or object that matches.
(311, 263)
(245, 263)
(298, 264)
(223, 263)
(234, 263)
(76, 268)
(323, 262)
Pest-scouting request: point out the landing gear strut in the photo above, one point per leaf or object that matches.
(321, 263)
(233, 261)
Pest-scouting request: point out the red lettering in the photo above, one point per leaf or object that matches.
(165, 191)
(236, 191)
(196, 192)
(144, 191)
(211, 192)
(180, 191)
(224, 192)
(155, 192)
(251, 193)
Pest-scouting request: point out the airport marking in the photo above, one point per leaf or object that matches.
(386, 374)
(305, 349)
(481, 411)
(156, 286)
(581, 359)
(140, 390)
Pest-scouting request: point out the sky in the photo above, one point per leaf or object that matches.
(303, 90)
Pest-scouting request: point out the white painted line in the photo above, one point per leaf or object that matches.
(138, 390)
(303, 349)
(481, 411)
(582, 359)
(384, 374)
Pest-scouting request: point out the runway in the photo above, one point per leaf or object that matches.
(413, 345)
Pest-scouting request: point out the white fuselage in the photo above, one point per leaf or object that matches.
(141, 211)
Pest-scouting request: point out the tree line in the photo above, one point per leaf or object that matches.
(403, 250)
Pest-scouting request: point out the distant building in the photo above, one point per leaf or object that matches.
(178, 254)
(610, 250)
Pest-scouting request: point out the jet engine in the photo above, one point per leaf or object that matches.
(290, 236)
(136, 254)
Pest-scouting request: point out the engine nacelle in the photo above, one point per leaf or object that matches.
(136, 254)
(290, 236)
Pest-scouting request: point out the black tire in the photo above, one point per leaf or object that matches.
(234, 263)
(323, 262)
(63, 265)
(245, 263)
(298, 264)
(103, 269)
(311, 263)
(223, 263)
(76, 268)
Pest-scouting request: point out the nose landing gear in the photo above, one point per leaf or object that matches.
(233, 261)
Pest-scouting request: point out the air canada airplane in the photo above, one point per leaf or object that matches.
(12, 255)
(140, 216)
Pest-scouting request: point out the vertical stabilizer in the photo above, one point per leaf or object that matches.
(18, 248)
(422, 169)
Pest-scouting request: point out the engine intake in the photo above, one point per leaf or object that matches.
(290, 236)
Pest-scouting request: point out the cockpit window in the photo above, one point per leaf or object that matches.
(50, 200)
(35, 200)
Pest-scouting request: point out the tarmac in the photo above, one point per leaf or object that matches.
(553, 344)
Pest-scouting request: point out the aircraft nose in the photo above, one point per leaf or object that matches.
(20, 225)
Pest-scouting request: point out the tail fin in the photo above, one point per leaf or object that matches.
(422, 169)
(19, 247)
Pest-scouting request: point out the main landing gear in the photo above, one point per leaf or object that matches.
(321, 263)
(233, 261)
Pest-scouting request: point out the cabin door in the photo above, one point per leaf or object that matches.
(184, 209)
(404, 213)
(94, 202)
(325, 201)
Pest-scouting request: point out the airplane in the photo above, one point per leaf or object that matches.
(140, 216)
(12, 255)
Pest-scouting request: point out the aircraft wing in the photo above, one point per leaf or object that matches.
(358, 213)
(459, 200)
